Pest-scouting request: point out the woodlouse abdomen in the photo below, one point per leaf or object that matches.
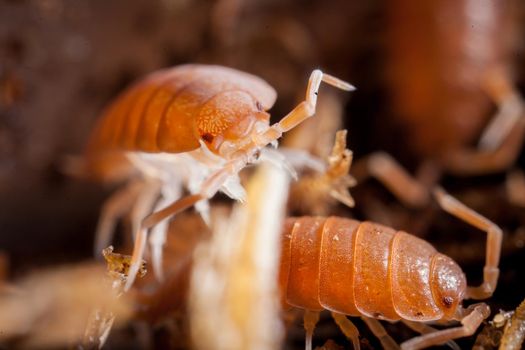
(363, 268)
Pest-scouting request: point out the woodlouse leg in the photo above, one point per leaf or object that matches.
(510, 109)
(208, 190)
(157, 240)
(394, 177)
(115, 207)
(144, 203)
(379, 331)
(310, 319)
(502, 140)
(303, 110)
(348, 328)
(466, 162)
(494, 237)
(425, 329)
(469, 324)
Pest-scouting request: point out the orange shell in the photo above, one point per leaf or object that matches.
(171, 109)
(363, 268)
(160, 112)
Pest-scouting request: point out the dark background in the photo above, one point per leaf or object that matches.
(62, 61)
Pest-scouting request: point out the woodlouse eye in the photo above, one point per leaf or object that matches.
(447, 301)
(207, 137)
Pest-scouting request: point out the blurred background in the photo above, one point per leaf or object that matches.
(418, 67)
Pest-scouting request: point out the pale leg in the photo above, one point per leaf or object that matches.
(494, 237)
(304, 110)
(115, 207)
(144, 203)
(394, 177)
(208, 190)
(510, 109)
(469, 324)
(425, 329)
(466, 162)
(348, 328)
(310, 319)
(502, 139)
(170, 192)
(379, 331)
(158, 239)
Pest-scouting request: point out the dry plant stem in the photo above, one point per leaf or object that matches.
(514, 333)
(101, 320)
(490, 336)
(49, 308)
(316, 193)
(233, 294)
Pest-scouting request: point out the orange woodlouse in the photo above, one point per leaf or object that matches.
(192, 125)
(447, 62)
(373, 271)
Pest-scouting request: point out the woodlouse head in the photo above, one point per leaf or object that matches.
(230, 118)
(448, 284)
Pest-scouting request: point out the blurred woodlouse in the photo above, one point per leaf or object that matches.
(373, 271)
(192, 125)
(447, 61)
